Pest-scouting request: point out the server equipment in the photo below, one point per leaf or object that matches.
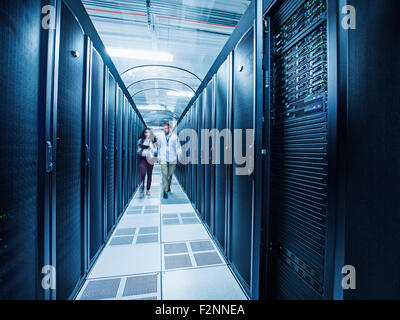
(69, 222)
(299, 150)
(96, 235)
(67, 143)
(20, 179)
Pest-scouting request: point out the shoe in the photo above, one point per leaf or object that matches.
(165, 195)
(142, 194)
(148, 193)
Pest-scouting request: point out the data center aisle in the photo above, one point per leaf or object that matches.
(161, 250)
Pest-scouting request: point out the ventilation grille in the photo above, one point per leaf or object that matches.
(299, 138)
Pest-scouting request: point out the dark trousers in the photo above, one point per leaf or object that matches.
(145, 168)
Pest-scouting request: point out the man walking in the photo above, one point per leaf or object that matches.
(169, 153)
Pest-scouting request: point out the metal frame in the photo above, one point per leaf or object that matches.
(86, 154)
(212, 166)
(161, 66)
(49, 58)
(161, 79)
(150, 89)
(104, 151)
(258, 103)
(229, 167)
(337, 121)
(266, 163)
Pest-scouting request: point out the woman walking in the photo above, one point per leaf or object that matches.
(146, 148)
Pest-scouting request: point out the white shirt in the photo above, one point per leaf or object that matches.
(169, 147)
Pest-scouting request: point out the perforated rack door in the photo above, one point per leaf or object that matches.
(96, 144)
(208, 178)
(110, 118)
(221, 114)
(118, 152)
(299, 152)
(242, 119)
(19, 64)
(69, 156)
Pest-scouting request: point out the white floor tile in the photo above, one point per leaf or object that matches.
(125, 260)
(183, 232)
(143, 220)
(214, 283)
(176, 208)
(144, 201)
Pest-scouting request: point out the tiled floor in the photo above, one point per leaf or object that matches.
(161, 250)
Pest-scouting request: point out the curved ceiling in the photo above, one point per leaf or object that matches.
(164, 48)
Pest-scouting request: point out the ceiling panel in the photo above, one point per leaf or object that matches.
(164, 48)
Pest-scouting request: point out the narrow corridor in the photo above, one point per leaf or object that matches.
(161, 250)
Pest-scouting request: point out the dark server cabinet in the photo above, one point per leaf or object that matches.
(187, 167)
(222, 86)
(208, 179)
(201, 166)
(299, 150)
(20, 26)
(118, 153)
(134, 164)
(109, 150)
(96, 146)
(193, 148)
(125, 153)
(69, 223)
(242, 118)
(129, 151)
(371, 153)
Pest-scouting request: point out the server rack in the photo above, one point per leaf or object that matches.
(69, 156)
(21, 207)
(207, 113)
(242, 183)
(318, 139)
(222, 83)
(110, 172)
(193, 147)
(96, 142)
(299, 150)
(69, 115)
(125, 153)
(118, 153)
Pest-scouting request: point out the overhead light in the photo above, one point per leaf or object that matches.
(180, 94)
(150, 107)
(140, 54)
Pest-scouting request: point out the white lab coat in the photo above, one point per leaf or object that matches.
(174, 148)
